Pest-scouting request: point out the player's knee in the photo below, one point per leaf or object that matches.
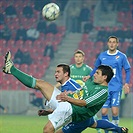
(104, 111)
(115, 113)
(38, 83)
(94, 125)
(48, 129)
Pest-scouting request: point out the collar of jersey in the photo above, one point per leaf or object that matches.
(112, 54)
(66, 82)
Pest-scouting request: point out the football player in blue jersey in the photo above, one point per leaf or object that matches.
(117, 60)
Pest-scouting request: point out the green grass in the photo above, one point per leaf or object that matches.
(35, 124)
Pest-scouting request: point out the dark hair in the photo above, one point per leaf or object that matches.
(117, 40)
(65, 67)
(106, 70)
(79, 52)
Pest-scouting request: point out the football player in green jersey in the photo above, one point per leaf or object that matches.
(79, 70)
(68, 106)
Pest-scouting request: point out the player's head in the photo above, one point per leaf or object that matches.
(103, 74)
(113, 43)
(79, 56)
(62, 73)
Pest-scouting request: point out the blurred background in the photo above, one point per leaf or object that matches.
(37, 45)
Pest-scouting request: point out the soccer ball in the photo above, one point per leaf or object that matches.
(51, 11)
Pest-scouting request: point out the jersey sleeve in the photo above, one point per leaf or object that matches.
(97, 63)
(97, 97)
(127, 67)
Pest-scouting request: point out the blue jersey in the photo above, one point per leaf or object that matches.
(117, 61)
(70, 85)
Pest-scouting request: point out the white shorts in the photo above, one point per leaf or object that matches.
(53, 103)
(62, 114)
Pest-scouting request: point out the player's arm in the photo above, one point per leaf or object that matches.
(64, 97)
(126, 85)
(58, 85)
(97, 63)
(96, 98)
(127, 69)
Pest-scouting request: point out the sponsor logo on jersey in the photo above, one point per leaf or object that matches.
(78, 94)
(117, 57)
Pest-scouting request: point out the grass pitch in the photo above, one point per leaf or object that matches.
(35, 124)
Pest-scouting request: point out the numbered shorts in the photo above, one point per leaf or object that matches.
(62, 111)
(113, 99)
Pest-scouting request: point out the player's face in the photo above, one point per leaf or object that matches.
(112, 44)
(60, 75)
(98, 77)
(79, 58)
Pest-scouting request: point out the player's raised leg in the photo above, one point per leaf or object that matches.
(27, 80)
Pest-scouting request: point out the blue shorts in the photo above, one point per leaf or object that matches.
(113, 99)
(78, 127)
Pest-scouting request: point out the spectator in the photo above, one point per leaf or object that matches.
(101, 35)
(37, 99)
(32, 34)
(41, 26)
(52, 28)
(129, 51)
(5, 33)
(49, 50)
(128, 34)
(21, 34)
(104, 5)
(39, 4)
(27, 58)
(84, 15)
(28, 11)
(10, 11)
(73, 22)
(18, 57)
(1, 19)
(88, 27)
(22, 57)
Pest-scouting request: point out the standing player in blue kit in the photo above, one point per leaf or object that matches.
(117, 60)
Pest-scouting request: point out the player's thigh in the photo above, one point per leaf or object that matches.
(61, 115)
(116, 97)
(53, 103)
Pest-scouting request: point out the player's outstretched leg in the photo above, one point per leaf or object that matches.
(109, 126)
(27, 80)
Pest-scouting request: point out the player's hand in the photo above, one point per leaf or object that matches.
(44, 112)
(85, 78)
(40, 112)
(126, 88)
(62, 97)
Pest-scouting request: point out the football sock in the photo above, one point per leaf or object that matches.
(106, 125)
(24, 78)
(115, 120)
(105, 117)
(96, 118)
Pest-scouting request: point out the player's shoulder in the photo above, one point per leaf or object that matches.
(72, 65)
(87, 66)
(121, 54)
(72, 82)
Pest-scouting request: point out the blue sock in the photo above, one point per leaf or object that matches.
(105, 117)
(115, 120)
(106, 125)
